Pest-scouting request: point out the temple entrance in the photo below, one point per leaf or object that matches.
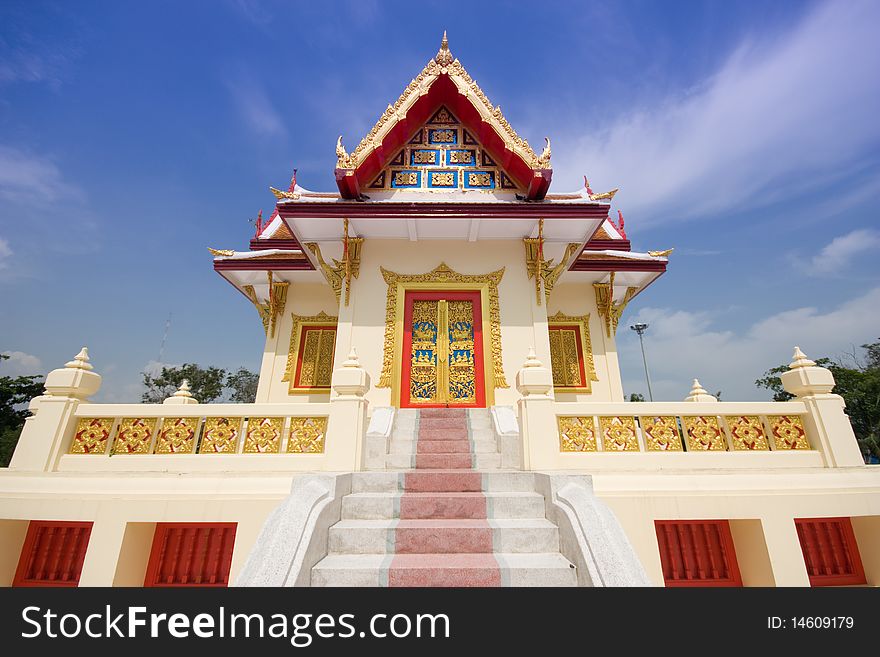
(442, 350)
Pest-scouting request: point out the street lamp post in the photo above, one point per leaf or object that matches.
(640, 329)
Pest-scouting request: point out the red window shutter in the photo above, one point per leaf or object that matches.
(830, 551)
(53, 553)
(697, 553)
(191, 554)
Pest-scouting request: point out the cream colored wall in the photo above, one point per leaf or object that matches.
(774, 498)
(306, 299)
(368, 297)
(867, 531)
(12, 535)
(579, 299)
(124, 510)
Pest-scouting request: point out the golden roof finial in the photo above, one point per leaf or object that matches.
(343, 159)
(444, 57)
(544, 159)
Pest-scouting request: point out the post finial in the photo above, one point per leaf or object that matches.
(799, 359)
(183, 390)
(352, 360)
(532, 359)
(699, 394)
(80, 361)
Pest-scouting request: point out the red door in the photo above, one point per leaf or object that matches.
(442, 350)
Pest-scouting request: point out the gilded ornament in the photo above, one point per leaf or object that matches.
(406, 178)
(273, 306)
(134, 435)
(704, 434)
(177, 435)
(220, 435)
(343, 159)
(442, 179)
(341, 271)
(747, 432)
(608, 309)
(91, 435)
(441, 274)
(564, 349)
(661, 434)
(619, 434)
(306, 435)
(479, 179)
(576, 434)
(282, 195)
(660, 254)
(221, 252)
(263, 435)
(788, 432)
(604, 195)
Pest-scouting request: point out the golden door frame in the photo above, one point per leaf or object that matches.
(299, 323)
(442, 278)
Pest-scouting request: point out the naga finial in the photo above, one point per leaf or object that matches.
(444, 57)
(343, 159)
(544, 158)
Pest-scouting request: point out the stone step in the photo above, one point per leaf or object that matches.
(550, 569)
(435, 423)
(409, 433)
(478, 461)
(434, 481)
(441, 536)
(387, 505)
(399, 446)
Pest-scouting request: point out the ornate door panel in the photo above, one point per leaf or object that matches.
(442, 350)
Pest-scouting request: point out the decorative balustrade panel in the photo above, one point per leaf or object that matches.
(679, 432)
(199, 434)
(619, 434)
(788, 432)
(134, 435)
(91, 435)
(306, 435)
(177, 435)
(661, 433)
(577, 434)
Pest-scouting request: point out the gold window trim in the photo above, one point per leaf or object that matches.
(559, 320)
(442, 278)
(300, 322)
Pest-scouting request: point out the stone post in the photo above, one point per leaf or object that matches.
(344, 443)
(49, 430)
(540, 436)
(828, 427)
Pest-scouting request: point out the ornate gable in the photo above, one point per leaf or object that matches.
(443, 101)
(443, 155)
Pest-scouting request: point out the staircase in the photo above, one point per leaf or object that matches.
(441, 521)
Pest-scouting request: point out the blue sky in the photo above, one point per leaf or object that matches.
(133, 135)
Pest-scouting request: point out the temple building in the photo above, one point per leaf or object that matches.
(440, 404)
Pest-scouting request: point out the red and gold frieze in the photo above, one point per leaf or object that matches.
(220, 435)
(661, 434)
(134, 435)
(577, 434)
(177, 435)
(619, 434)
(747, 432)
(788, 432)
(91, 435)
(263, 435)
(704, 434)
(306, 435)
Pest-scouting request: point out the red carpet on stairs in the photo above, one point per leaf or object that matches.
(443, 537)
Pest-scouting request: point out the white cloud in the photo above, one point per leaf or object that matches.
(5, 253)
(26, 178)
(255, 107)
(837, 254)
(681, 346)
(761, 129)
(20, 364)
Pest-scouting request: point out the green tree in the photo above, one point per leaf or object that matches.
(15, 392)
(636, 397)
(242, 385)
(859, 385)
(206, 383)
